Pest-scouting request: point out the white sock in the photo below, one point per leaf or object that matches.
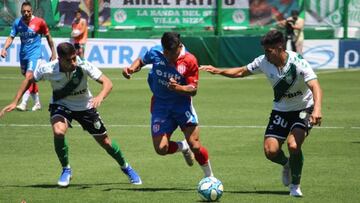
(207, 169)
(36, 98)
(182, 146)
(25, 97)
(125, 165)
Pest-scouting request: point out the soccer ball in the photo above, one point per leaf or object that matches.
(75, 33)
(210, 189)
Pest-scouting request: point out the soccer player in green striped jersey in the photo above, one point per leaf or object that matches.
(296, 106)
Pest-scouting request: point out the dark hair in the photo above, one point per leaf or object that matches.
(295, 12)
(78, 11)
(65, 49)
(170, 40)
(26, 3)
(273, 37)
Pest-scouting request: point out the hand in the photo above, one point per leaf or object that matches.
(315, 118)
(3, 53)
(172, 84)
(96, 101)
(53, 57)
(7, 108)
(210, 69)
(126, 72)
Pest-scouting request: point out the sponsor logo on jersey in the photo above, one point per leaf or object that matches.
(293, 94)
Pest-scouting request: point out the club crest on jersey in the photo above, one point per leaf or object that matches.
(32, 26)
(181, 69)
(97, 125)
(156, 128)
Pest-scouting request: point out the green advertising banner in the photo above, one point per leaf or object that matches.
(162, 13)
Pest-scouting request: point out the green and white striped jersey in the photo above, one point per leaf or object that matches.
(78, 98)
(291, 92)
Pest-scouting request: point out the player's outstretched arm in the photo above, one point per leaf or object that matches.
(229, 72)
(105, 91)
(7, 44)
(316, 116)
(135, 67)
(23, 87)
(52, 46)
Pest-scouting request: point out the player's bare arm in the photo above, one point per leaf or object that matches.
(316, 116)
(23, 87)
(52, 47)
(7, 44)
(229, 72)
(135, 67)
(182, 89)
(105, 91)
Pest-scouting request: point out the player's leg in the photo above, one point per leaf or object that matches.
(200, 152)
(295, 140)
(275, 135)
(299, 130)
(95, 126)
(82, 51)
(34, 89)
(24, 65)
(60, 118)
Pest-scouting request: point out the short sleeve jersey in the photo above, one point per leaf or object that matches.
(186, 72)
(291, 92)
(79, 99)
(30, 36)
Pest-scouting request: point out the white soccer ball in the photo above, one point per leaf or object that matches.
(75, 33)
(210, 189)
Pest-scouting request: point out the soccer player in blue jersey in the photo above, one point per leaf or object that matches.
(173, 81)
(30, 29)
(72, 100)
(296, 106)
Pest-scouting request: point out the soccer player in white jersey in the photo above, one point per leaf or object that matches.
(296, 107)
(72, 99)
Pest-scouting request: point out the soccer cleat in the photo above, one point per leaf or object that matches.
(188, 156)
(134, 178)
(36, 107)
(65, 177)
(286, 174)
(21, 107)
(295, 190)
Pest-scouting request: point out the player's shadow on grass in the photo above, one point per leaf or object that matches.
(73, 186)
(260, 192)
(142, 189)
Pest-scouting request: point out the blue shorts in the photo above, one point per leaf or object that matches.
(165, 117)
(29, 64)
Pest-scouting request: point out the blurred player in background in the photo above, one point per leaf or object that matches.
(173, 81)
(72, 99)
(30, 29)
(296, 107)
(79, 33)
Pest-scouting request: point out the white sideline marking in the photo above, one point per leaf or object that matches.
(252, 77)
(202, 126)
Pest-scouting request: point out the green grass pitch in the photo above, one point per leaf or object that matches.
(233, 114)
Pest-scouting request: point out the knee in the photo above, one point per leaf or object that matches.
(270, 153)
(59, 131)
(294, 148)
